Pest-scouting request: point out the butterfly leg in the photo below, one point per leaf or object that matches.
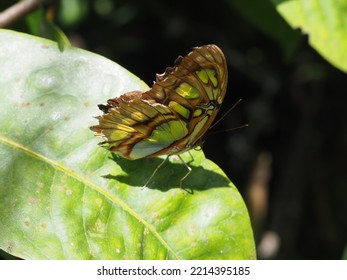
(189, 171)
(155, 171)
(191, 157)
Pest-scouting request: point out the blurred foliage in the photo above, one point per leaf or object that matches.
(324, 22)
(41, 23)
(290, 162)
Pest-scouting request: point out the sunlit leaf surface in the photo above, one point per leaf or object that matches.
(64, 197)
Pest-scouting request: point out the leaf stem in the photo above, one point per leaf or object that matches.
(17, 11)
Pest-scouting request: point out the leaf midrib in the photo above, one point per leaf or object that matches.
(92, 185)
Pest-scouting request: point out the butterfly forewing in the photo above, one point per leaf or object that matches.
(173, 115)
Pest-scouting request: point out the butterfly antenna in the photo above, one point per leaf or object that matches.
(226, 130)
(226, 113)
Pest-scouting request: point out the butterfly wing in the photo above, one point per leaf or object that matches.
(174, 114)
(194, 89)
(136, 128)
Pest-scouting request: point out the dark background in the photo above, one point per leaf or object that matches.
(290, 164)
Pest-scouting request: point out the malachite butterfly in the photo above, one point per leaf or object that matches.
(172, 116)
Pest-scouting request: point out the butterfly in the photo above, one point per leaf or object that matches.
(171, 117)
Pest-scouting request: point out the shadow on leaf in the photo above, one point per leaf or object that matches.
(168, 176)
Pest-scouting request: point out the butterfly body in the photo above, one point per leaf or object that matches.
(173, 115)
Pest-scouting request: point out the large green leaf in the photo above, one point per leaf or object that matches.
(64, 197)
(325, 22)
